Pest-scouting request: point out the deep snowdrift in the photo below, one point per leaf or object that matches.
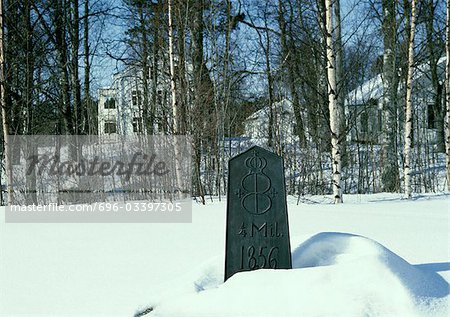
(335, 274)
(93, 270)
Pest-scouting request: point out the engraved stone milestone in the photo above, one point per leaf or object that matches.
(257, 224)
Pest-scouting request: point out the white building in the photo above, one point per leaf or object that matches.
(120, 106)
(107, 111)
(363, 107)
(256, 125)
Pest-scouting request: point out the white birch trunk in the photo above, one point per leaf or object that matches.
(340, 79)
(408, 114)
(333, 106)
(389, 163)
(6, 145)
(173, 89)
(447, 94)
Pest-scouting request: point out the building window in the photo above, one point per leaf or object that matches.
(294, 129)
(159, 98)
(364, 122)
(380, 121)
(110, 127)
(136, 97)
(110, 103)
(431, 117)
(137, 125)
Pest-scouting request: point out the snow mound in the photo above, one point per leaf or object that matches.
(325, 249)
(207, 276)
(335, 274)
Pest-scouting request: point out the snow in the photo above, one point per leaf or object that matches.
(376, 255)
(256, 125)
(373, 88)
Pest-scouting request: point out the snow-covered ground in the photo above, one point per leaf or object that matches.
(376, 255)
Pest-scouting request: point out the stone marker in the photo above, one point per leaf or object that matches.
(257, 224)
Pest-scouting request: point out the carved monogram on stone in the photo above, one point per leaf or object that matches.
(257, 223)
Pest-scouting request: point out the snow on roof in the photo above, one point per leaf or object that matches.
(280, 106)
(373, 88)
(105, 88)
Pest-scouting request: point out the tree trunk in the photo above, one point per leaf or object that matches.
(389, 163)
(5, 114)
(322, 115)
(202, 114)
(438, 109)
(76, 87)
(61, 48)
(173, 88)
(447, 92)
(408, 114)
(158, 12)
(224, 103)
(182, 89)
(271, 135)
(264, 42)
(88, 125)
(333, 106)
(31, 197)
(287, 58)
(145, 71)
(340, 87)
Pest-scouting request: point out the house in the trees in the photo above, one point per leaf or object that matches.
(121, 106)
(107, 111)
(256, 126)
(363, 107)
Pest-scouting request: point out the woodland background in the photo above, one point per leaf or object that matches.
(228, 59)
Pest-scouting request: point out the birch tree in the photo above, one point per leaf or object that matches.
(143, 9)
(74, 32)
(172, 70)
(6, 144)
(203, 117)
(447, 94)
(87, 126)
(333, 106)
(408, 112)
(389, 163)
(340, 82)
